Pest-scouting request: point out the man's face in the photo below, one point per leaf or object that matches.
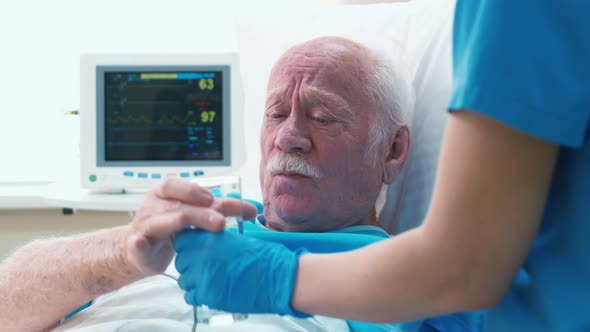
(314, 135)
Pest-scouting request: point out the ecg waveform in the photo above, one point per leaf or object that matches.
(142, 120)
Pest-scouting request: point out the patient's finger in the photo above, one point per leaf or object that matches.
(172, 222)
(174, 188)
(234, 207)
(152, 205)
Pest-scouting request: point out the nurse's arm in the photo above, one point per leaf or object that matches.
(490, 191)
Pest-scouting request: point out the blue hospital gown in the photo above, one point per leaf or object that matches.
(355, 237)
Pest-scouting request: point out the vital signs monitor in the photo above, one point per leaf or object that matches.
(144, 117)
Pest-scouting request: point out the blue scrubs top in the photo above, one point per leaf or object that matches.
(526, 63)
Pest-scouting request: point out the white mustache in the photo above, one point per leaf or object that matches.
(292, 163)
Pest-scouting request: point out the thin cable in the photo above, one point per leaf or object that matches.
(194, 319)
(194, 328)
(240, 219)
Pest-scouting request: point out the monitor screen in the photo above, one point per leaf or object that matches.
(164, 116)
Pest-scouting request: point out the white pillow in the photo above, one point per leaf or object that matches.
(416, 35)
(430, 40)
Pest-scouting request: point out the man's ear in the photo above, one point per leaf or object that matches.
(398, 153)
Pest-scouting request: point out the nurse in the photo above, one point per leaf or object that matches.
(509, 218)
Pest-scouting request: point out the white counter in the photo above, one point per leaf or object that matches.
(52, 195)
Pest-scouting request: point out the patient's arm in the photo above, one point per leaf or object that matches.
(489, 195)
(47, 279)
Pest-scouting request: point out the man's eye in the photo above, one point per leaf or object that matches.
(321, 120)
(275, 115)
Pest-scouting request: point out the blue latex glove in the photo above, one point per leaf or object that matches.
(235, 273)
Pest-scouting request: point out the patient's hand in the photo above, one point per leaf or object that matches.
(168, 208)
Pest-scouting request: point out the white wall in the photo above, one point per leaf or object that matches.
(39, 63)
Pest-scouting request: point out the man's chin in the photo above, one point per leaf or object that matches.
(288, 220)
(291, 212)
(284, 226)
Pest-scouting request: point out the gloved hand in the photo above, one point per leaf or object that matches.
(235, 273)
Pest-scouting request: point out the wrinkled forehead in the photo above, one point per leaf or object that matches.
(331, 67)
(310, 95)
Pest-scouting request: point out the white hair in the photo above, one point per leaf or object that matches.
(390, 91)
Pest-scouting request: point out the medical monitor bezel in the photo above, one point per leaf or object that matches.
(99, 174)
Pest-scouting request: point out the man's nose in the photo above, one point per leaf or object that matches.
(293, 136)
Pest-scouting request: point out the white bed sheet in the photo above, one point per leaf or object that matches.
(157, 304)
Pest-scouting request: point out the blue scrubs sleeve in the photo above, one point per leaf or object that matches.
(525, 63)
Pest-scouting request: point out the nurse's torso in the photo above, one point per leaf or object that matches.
(552, 290)
(526, 63)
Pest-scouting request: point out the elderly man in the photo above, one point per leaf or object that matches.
(332, 135)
